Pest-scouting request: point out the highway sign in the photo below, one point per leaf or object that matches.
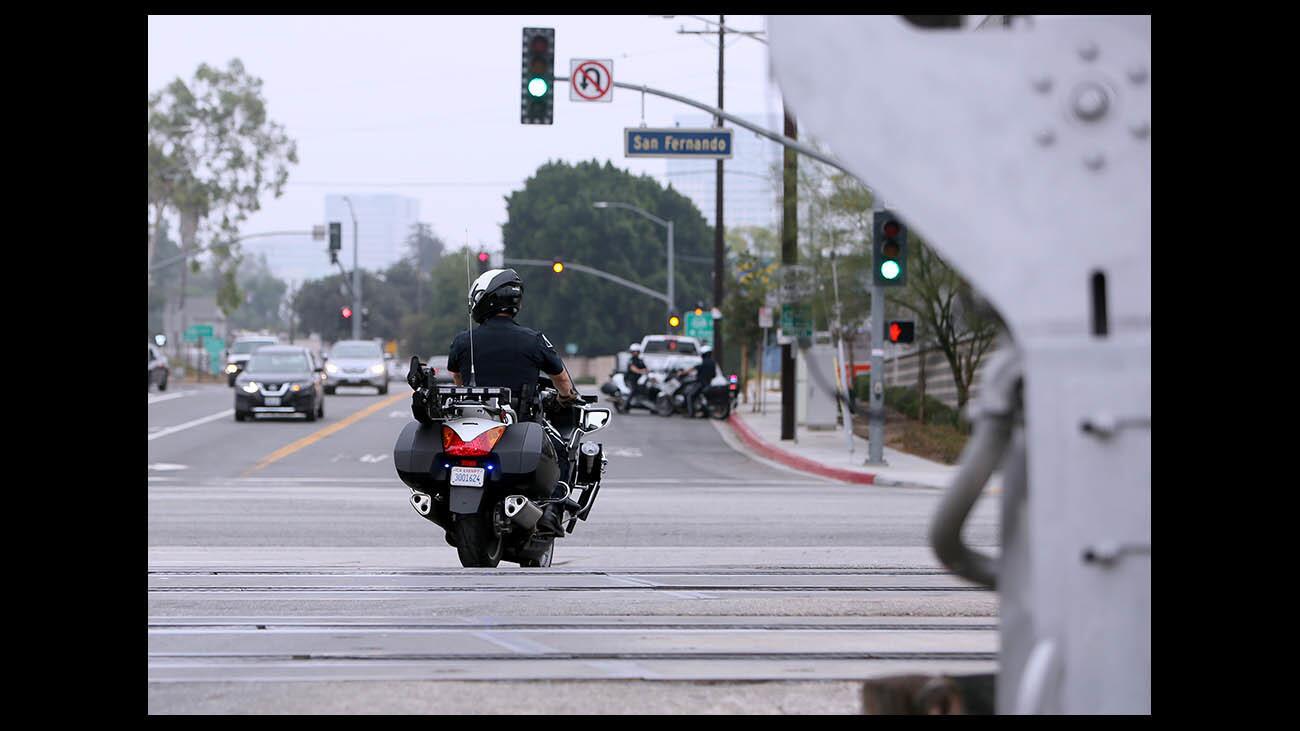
(591, 80)
(700, 327)
(796, 320)
(710, 143)
(194, 332)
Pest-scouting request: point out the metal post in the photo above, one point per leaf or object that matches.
(356, 275)
(719, 260)
(672, 285)
(876, 439)
(839, 341)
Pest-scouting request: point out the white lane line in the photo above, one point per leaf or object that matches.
(167, 466)
(191, 424)
(179, 394)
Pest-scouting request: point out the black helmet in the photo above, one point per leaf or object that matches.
(496, 290)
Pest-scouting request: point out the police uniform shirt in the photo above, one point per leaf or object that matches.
(634, 361)
(706, 370)
(506, 354)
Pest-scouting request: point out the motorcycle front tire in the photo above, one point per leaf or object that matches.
(476, 544)
(664, 406)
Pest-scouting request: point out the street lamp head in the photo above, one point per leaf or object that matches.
(600, 204)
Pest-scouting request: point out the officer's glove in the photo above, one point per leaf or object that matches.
(567, 400)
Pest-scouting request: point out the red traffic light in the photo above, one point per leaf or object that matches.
(894, 331)
(482, 256)
(891, 229)
(346, 312)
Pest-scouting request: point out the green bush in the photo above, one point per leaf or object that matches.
(862, 387)
(584, 380)
(906, 401)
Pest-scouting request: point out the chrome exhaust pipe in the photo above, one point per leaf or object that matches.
(523, 511)
(421, 502)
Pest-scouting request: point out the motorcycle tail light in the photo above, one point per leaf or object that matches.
(479, 446)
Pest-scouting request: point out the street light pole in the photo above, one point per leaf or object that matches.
(672, 286)
(356, 275)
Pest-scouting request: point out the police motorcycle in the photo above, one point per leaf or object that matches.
(484, 467)
(714, 400)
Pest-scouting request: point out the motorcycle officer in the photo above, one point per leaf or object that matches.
(506, 354)
(704, 374)
(636, 370)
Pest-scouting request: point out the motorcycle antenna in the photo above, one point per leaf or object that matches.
(469, 284)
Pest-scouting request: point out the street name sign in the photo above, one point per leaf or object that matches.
(796, 320)
(591, 80)
(710, 143)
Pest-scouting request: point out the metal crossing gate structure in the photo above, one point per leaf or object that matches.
(1022, 153)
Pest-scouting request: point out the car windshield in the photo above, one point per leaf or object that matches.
(673, 347)
(357, 350)
(244, 347)
(278, 363)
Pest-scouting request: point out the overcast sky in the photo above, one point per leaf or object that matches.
(378, 101)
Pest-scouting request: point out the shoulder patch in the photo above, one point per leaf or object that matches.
(544, 340)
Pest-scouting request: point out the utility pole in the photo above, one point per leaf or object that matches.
(789, 257)
(719, 238)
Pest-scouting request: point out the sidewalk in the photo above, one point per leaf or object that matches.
(826, 453)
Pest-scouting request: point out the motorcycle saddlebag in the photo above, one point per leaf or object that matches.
(413, 454)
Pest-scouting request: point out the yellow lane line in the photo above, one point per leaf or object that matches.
(316, 436)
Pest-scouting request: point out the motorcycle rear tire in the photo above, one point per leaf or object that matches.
(622, 406)
(476, 544)
(719, 411)
(541, 562)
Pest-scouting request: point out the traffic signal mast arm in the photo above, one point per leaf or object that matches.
(549, 263)
(778, 138)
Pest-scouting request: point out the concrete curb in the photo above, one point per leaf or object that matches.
(777, 454)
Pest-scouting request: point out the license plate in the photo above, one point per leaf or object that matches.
(467, 476)
(272, 400)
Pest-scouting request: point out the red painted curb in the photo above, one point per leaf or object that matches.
(776, 454)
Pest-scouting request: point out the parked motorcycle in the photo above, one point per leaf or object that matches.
(484, 467)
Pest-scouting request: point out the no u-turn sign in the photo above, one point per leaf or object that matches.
(591, 79)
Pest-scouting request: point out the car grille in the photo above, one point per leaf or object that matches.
(354, 370)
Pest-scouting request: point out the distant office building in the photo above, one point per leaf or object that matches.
(292, 258)
(749, 195)
(383, 223)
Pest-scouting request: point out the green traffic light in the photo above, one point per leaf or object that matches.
(537, 87)
(889, 270)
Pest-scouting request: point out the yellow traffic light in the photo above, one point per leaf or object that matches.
(699, 311)
(674, 321)
(557, 266)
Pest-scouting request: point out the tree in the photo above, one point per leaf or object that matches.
(837, 208)
(552, 216)
(263, 294)
(424, 248)
(213, 153)
(935, 292)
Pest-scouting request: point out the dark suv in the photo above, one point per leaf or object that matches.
(280, 379)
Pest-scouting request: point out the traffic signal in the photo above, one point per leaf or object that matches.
(537, 102)
(900, 331)
(699, 310)
(336, 241)
(483, 261)
(346, 312)
(557, 266)
(674, 321)
(889, 250)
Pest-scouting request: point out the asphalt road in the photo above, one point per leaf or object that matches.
(288, 573)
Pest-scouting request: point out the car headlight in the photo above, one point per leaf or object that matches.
(232, 368)
(377, 369)
(250, 387)
(331, 368)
